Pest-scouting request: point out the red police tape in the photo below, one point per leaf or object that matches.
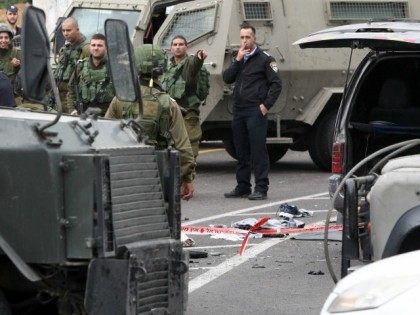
(255, 229)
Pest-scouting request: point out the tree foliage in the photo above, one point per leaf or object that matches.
(5, 3)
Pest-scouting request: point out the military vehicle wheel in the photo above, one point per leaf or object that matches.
(320, 145)
(4, 305)
(275, 151)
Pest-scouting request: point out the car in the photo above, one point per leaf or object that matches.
(389, 286)
(383, 96)
(378, 116)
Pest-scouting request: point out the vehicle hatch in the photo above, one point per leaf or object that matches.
(384, 35)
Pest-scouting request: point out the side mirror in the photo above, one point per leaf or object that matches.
(58, 39)
(35, 55)
(121, 61)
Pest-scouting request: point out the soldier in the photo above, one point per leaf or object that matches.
(162, 118)
(180, 81)
(90, 84)
(9, 56)
(11, 19)
(75, 48)
(23, 102)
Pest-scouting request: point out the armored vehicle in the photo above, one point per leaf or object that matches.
(379, 119)
(90, 214)
(303, 117)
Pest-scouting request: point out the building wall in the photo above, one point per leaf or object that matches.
(53, 10)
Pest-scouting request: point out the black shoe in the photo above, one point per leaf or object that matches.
(236, 193)
(257, 195)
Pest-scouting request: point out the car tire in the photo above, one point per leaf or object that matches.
(275, 151)
(320, 145)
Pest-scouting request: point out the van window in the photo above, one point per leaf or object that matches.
(257, 11)
(192, 24)
(92, 21)
(387, 106)
(340, 11)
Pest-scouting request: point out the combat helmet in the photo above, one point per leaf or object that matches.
(5, 29)
(150, 59)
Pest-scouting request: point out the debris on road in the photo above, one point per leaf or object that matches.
(187, 241)
(316, 273)
(258, 266)
(247, 223)
(198, 254)
(291, 211)
(256, 228)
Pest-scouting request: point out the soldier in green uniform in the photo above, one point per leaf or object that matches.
(90, 85)
(180, 81)
(162, 119)
(9, 56)
(24, 103)
(74, 49)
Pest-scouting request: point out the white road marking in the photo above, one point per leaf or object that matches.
(230, 264)
(251, 252)
(222, 215)
(201, 268)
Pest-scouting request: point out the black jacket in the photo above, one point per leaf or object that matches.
(256, 81)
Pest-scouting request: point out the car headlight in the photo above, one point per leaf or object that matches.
(372, 293)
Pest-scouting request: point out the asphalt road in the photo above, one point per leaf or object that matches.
(272, 277)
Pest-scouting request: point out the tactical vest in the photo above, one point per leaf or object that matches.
(176, 86)
(156, 116)
(67, 59)
(95, 85)
(5, 62)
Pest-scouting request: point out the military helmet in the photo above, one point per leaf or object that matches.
(148, 58)
(4, 28)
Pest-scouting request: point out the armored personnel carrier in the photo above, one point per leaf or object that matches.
(90, 215)
(303, 117)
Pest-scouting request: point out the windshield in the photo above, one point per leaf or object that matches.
(92, 21)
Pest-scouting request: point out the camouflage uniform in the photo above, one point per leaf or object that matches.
(6, 56)
(35, 107)
(180, 81)
(94, 85)
(163, 123)
(67, 59)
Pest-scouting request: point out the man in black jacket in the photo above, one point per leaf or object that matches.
(257, 87)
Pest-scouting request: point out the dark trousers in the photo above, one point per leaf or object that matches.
(249, 128)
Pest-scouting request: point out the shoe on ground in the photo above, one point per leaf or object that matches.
(236, 193)
(257, 195)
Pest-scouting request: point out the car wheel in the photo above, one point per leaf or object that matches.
(320, 145)
(275, 151)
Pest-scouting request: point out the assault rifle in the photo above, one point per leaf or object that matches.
(78, 102)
